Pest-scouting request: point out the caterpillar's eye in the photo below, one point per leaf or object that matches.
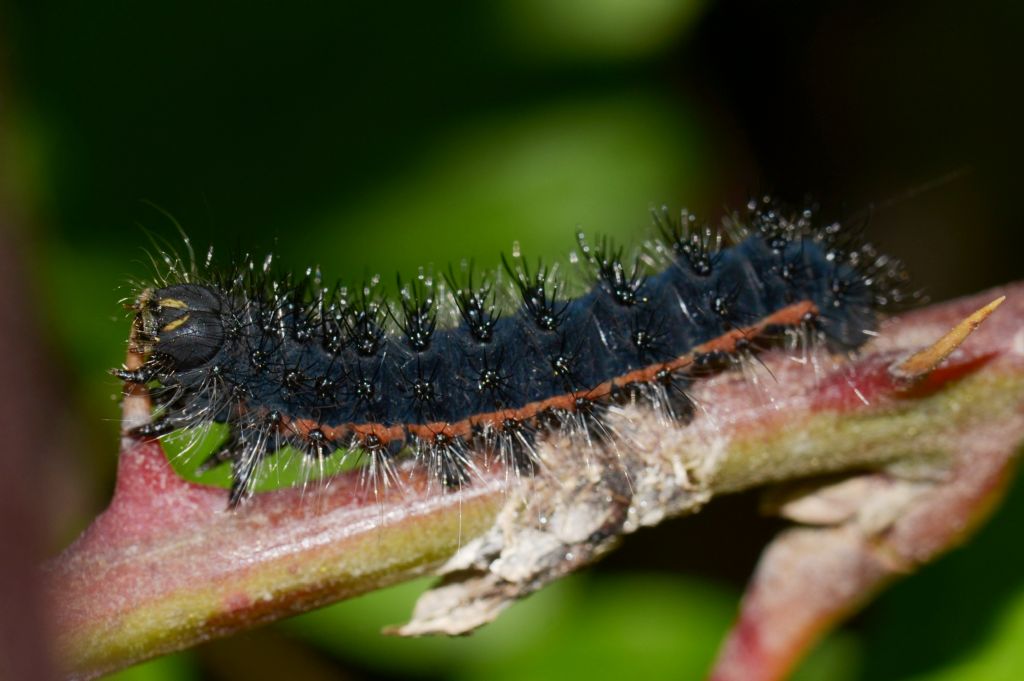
(181, 324)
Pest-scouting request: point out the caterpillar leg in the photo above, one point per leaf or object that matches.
(222, 455)
(153, 429)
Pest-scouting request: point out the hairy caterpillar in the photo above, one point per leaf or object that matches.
(450, 375)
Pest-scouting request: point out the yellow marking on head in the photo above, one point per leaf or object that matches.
(173, 302)
(171, 326)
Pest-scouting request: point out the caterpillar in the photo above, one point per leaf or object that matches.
(449, 378)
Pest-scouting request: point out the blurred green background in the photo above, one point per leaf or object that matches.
(379, 138)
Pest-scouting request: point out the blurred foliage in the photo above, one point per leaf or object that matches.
(384, 138)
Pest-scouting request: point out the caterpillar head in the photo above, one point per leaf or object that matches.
(181, 325)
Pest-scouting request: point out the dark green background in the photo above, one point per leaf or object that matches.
(383, 137)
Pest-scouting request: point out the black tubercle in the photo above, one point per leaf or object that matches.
(695, 245)
(539, 294)
(476, 306)
(419, 319)
(623, 284)
(364, 323)
(286, 360)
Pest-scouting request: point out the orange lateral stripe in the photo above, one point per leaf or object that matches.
(790, 315)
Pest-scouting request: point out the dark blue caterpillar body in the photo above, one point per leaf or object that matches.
(292, 363)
